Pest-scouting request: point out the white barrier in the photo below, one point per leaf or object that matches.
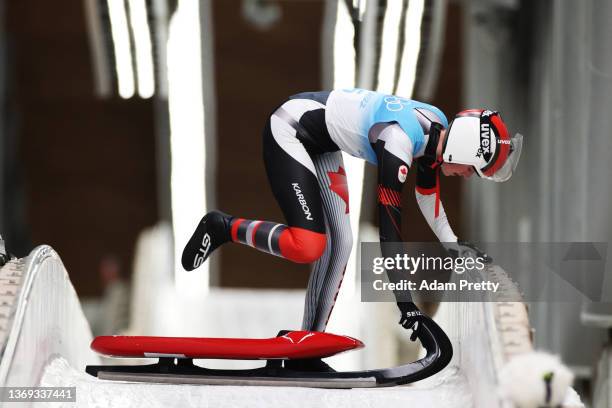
(47, 322)
(484, 334)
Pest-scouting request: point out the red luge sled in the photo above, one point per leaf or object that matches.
(293, 358)
(291, 345)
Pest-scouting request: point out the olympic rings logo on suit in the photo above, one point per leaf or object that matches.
(393, 103)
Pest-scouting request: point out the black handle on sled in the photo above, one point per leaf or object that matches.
(438, 345)
(439, 354)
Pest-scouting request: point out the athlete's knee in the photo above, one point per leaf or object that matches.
(341, 240)
(346, 244)
(302, 245)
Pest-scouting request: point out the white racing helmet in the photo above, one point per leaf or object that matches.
(479, 138)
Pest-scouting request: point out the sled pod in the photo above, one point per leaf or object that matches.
(287, 345)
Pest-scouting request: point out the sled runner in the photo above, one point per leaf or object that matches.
(293, 359)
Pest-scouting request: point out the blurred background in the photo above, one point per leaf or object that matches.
(123, 121)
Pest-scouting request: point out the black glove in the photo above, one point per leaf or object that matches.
(4, 256)
(469, 250)
(466, 249)
(411, 318)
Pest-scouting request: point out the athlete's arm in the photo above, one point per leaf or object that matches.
(426, 191)
(393, 151)
(394, 156)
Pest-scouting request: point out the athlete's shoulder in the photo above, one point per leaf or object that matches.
(430, 112)
(355, 93)
(339, 96)
(351, 90)
(318, 96)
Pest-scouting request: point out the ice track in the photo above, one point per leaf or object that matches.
(45, 341)
(450, 391)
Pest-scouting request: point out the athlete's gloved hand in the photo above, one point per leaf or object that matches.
(469, 250)
(466, 249)
(411, 318)
(4, 255)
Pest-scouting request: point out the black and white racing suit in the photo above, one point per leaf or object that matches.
(303, 141)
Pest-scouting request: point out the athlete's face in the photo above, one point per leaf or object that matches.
(455, 169)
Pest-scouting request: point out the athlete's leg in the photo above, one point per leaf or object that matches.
(328, 271)
(293, 179)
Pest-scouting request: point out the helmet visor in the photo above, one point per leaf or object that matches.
(505, 172)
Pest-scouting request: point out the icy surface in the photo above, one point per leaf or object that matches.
(444, 390)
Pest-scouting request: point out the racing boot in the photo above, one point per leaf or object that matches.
(212, 231)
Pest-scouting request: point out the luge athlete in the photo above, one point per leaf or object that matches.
(302, 144)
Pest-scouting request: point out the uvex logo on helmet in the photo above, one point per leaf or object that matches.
(502, 140)
(484, 150)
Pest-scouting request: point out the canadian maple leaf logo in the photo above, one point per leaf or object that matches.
(339, 186)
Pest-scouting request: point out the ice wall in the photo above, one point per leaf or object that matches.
(46, 321)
